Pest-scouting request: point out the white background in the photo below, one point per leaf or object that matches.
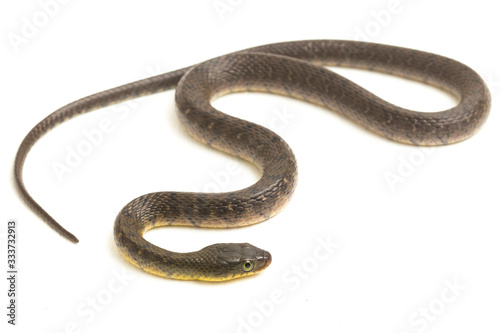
(400, 247)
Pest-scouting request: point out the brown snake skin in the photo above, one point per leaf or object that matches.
(289, 69)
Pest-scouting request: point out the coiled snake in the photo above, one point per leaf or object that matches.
(291, 69)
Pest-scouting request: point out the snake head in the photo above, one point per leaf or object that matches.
(234, 260)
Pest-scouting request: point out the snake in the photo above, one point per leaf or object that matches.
(296, 69)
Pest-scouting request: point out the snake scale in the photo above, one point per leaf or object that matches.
(294, 69)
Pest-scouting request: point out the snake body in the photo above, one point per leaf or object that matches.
(292, 69)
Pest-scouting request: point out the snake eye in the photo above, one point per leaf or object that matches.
(248, 266)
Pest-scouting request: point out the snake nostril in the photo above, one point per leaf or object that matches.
(267, 258)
